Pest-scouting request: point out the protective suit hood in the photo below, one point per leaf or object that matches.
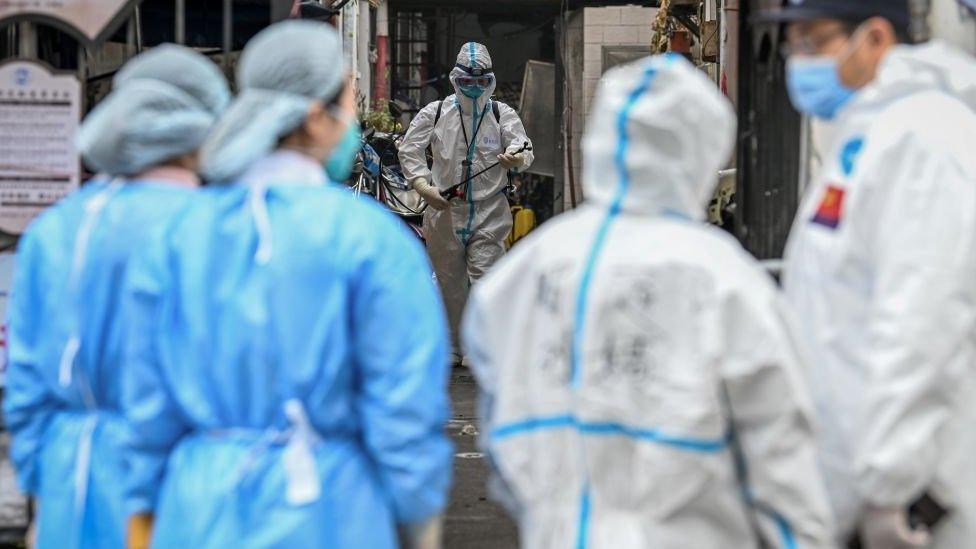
(164, 104)
(472, 56)
(933, 65)
(284, 70)
(659, 133)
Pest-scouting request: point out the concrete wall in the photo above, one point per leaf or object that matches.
(588, 30)
(612, 26)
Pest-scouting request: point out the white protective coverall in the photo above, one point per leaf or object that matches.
(620, 345)
(881, 270)
(467, 239)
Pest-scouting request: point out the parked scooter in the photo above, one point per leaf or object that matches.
(377, 173)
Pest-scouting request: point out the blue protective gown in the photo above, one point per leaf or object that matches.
(62, 401)
(261, 295)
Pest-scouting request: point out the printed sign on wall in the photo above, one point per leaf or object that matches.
(39, 115)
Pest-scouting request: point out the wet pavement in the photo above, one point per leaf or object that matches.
(473, 521)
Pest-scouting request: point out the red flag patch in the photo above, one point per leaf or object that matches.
(829, 212)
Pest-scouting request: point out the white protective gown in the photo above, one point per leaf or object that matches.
(881, 269)
(467, 239)
(618, 345)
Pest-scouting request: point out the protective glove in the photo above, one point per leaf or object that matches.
(888, 528)
(430, 194)
(140, 531)
(509, 161)
(424, 535)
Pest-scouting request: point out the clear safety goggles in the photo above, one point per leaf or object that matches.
(480, 81)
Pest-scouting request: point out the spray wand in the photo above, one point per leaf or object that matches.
(457, 191)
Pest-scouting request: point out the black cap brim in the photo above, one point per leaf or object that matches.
(796, 14)
(792, 15)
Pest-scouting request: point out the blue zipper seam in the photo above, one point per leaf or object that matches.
(579, 326)
(620, 158)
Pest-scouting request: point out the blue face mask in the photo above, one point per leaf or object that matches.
(815, 87)
(473, 92)
(340, 163)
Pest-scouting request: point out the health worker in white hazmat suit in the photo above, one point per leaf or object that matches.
(880, 268)
(642, 385)
(467, 133)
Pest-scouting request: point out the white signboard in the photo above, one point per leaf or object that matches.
(39, 114)
(90, 19)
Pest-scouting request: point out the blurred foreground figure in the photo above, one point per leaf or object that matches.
(881, 267)
(288, 377)
(631, 356)
(62, 403)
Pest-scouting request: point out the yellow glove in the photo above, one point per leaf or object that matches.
(140, 531)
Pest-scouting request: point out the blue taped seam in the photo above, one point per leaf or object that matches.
(620, 158)
(583, 533)
(533, 424)
(785, 531)
(472, 147)
(787, 538)
(579, 326)
(702, 445)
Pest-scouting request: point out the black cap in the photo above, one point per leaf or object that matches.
(895, 11)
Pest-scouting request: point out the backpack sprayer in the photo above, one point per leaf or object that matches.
(459, 190)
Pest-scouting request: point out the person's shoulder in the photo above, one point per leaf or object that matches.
(561, 230)
(157, 199)
(731, 266)
(504, 108)
(930, 116)
(143, 188)
(551, 241)
(190, 214)
(331, 196)
(359, 218)
(76, 199)
(204, 201)
(430, 109)
(65, 213)
(931, 125)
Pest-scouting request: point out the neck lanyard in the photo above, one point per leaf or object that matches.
(472, 143)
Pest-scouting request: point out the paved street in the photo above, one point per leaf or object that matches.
(473, 522)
